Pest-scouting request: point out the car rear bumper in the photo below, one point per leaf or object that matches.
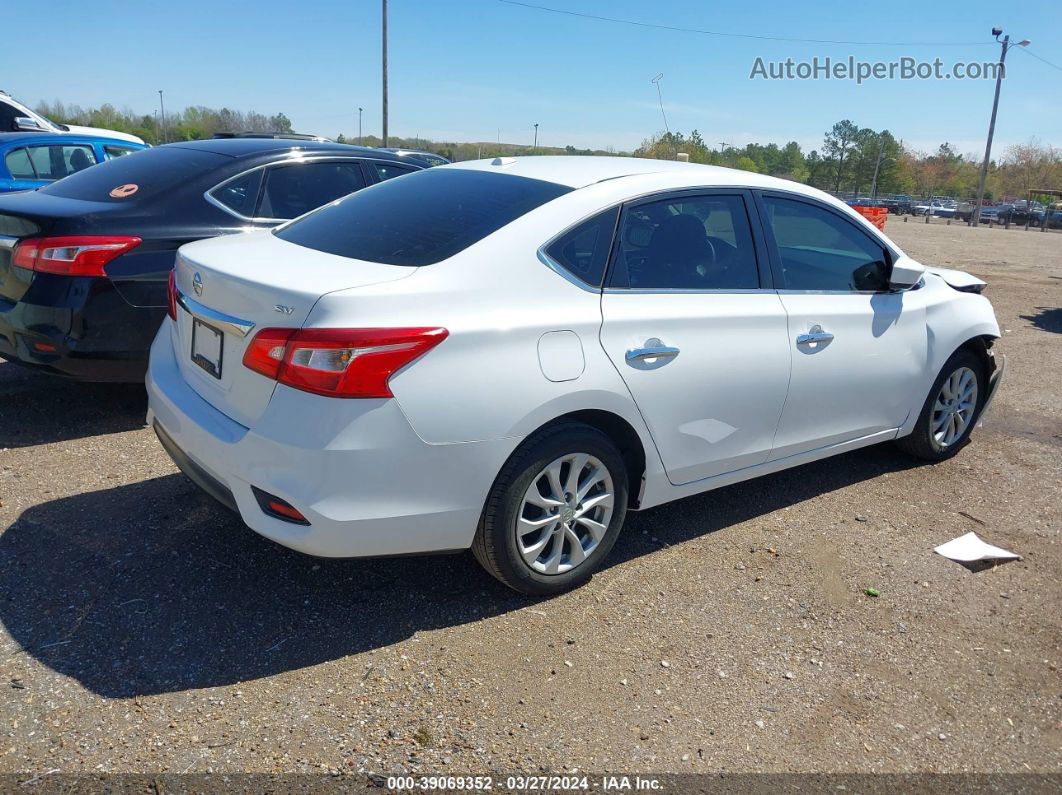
(78, 328)
(372, 488)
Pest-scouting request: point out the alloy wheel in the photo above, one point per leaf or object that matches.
(954, 408)
(565, 513)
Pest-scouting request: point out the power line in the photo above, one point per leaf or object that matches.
(1027, 51)
(703, 32)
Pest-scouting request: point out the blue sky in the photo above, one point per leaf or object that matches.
(480, 69)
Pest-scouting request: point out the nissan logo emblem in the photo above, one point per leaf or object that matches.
(197, 284)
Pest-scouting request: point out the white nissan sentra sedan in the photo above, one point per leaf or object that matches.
(509, 355)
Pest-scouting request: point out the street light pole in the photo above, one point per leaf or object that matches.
(162, 118)
(534, 148)
(384, 73)
(975, 217)
(359, 126)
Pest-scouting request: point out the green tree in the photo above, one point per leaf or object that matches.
(837, 147)
(746, 163)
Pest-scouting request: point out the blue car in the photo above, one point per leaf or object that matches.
(31, 160)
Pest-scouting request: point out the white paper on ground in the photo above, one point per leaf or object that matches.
(970, 547)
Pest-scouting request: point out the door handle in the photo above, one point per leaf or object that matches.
(815, 334)
(654, 349)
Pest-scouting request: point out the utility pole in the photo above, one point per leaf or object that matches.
(162, 118)
(385, 73)
(534, 147)
(877, 167)
(359, 125)
(975, 217)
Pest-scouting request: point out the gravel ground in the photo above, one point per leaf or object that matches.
(144, 629)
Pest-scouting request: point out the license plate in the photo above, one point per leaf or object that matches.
(207, 347)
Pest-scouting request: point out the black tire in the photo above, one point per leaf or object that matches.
(921, 443)
(495, 544)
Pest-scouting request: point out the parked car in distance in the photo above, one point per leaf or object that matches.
(995, 212)
(84, 261)
(16, 117)
(1023, 213)
(663, 329)
(29, 160)
(899, 205)
(938, 207)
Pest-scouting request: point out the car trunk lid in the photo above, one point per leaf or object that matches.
(233, 287)
(34, 214)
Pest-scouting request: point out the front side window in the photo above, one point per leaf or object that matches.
(295, 189)
(389, 170)
(8, 114)
(56, 162)
(423, 219)
(19, 165)
(820, 250)
(583, 251)
(687, 243)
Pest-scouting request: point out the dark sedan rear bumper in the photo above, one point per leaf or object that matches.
(78, 328)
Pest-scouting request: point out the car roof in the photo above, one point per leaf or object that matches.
(579, 171)
(247, 147)
(29, 138)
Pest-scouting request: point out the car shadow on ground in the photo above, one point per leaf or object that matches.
(1046, 318)
(152, 587)
(40, 409)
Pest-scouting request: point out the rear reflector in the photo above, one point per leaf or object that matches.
(277, 508)
(346, 363)
(80, 255)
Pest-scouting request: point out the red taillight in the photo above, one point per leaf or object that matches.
(80, 255)
(266, 352)
(348, 363)
(171, 293)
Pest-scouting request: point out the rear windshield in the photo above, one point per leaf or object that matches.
(420, 218)
(151, 171)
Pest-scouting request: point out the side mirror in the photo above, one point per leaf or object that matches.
(25, 123)
(905, 274)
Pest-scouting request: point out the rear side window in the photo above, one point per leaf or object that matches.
(293, 190)
(19, 165)
(110, 152)
(240, 194)
(388, 170)
(820, 250)
(583, 251)
(152, 171)
(423, 219)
